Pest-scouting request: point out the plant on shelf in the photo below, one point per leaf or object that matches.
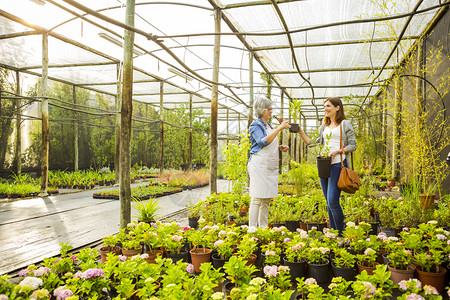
(147, 210)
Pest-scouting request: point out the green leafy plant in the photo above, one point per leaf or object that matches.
(235, 166)
(147, 210)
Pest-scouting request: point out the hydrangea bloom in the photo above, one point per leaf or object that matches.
(441, 237)
(33, 282)
(270, 253)
(62, 293)
(218, 243)
(144, 256)
(122, 258)
(177, 238)
(94, 272)
(23, 273)
(430, 290)
(252, 297)
(252, 229)
(369, 290)
(190, 268)
(286, 240)
(257, 281)
(3, 297)
(310, 281)
(41, 271)
(217, 296)
(414, 297)
(271, 271)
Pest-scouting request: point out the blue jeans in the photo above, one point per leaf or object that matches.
(332, 194)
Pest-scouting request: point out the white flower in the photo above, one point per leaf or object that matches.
(432, 222)
(441, 237)
(310, 281)
(257, 281)
(33, 282)
(252, 297)
(252, 229)
(217, 296)
(430, 290)
(350, 224)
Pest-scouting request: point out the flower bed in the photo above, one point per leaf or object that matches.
(83, 276)
(140, 192)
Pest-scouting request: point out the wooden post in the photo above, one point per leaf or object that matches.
(18, 149)
(44, 110)
(161, 127)
(214, 103)
(190, 131)
(396, 130)
(281, 141)
(126, 114)
(239, 124)
(304, 145)
(251, 96)
(118, 106)
(75, 130)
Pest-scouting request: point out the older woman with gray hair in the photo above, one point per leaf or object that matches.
(263, 162)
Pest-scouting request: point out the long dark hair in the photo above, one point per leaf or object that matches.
(340, 115)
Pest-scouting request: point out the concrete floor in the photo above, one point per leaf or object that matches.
(32, 229)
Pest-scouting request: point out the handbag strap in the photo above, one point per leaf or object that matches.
(342, 149)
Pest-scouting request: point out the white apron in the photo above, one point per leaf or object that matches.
(263, 171)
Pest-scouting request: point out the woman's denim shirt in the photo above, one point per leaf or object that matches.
(258, 136)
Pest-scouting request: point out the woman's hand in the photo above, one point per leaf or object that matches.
(284, 148)
(283, 125)
(334, 153)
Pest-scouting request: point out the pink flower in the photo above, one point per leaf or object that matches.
(313, 228)
(3, 297)
(430, 290)
(369, 290)
(271, 271)
(222, 233)
(186, 228)
(94, 272)
(270, 253)
(74, 257)
(382, 236)
(121, 258)
(405, 229)
(330, 235)
(78, 274)
(144, 256)
(310, 281)
(23, 273)
(177, 238)
(369, 251)
(62, 293)
(286, 240)
(297, 247)
(218, 243)
(441, 237)
(190, 268)
(41, 271)
(366, 203)
(402, 285)
(414, 297)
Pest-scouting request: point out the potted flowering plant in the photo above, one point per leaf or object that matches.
(367, 261)
(89, 283)
(318, 262)
(246, 248)
(238, 271)
(271, 253)
(109, 245)
(278, 276)
(343, 264)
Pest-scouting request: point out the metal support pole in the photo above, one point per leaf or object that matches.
(18, 149)
(146, 139)
(44, 110)
(228, 124)
(251, 96)
(75, 130)
(214, 102)
(190, 132)
(118, 106)
(396, 126)
(161, 127)
(126, 117)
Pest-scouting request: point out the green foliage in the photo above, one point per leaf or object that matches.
(295, 109)
(235, 166)
(146, 209)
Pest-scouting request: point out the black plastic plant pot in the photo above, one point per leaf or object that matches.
(294, 127)
(324, 166)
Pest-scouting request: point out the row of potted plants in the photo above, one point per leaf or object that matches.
(125, 276)
(142, 192)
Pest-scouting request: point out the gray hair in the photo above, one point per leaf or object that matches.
(261, 103)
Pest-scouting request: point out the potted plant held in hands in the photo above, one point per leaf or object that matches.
(295, 109)
(323, 156)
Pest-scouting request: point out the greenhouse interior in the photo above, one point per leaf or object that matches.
(225, 149)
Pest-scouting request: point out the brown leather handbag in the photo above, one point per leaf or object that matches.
(349, 181)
